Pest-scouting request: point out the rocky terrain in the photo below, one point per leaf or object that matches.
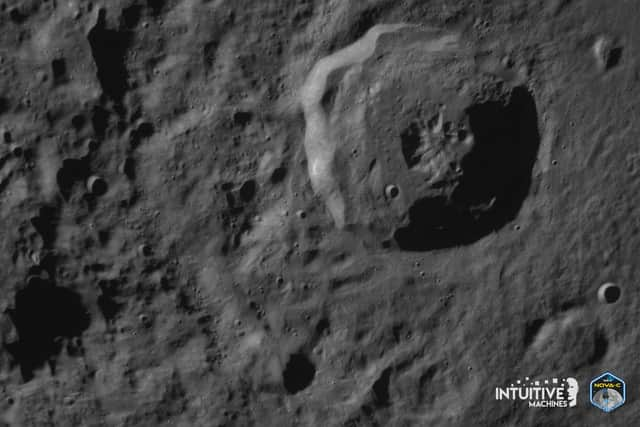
(316, 212)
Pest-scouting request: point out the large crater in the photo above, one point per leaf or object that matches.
(430, 148)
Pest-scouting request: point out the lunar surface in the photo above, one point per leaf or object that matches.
(318, 212)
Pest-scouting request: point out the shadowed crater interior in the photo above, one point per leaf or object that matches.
(44, 314)
(494, 183)
(298, 373)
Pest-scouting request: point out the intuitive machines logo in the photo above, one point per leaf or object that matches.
(549, 393)
(607, 392)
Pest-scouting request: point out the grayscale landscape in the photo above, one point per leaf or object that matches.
(317, 212)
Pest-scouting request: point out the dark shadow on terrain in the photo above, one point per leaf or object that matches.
(495, 182)
(600, 347)
(613, 57)
(410, 142)
(298, 373)
(109, 48)
(108, 300)
(156, 6)
(17, 16)
(143, 131)
(4, 105)
(44, 314)
(71, 172)
(381, 389)
(278, 175)
(99, 120)
(131, 16)
(531, 331)
(59, 70)
(46, 224)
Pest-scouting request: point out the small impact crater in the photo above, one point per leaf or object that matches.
(609, 293)
(97, 185)
(608, 52)
(298, 373)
